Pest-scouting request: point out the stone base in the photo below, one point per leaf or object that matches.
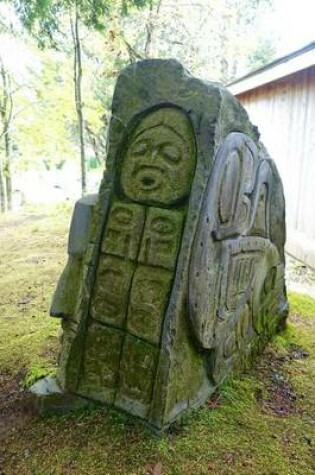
(48, 397)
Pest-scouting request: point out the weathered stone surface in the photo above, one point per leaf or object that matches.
(179, 277)
(66, 294)
(48, 397)
(80, 225)
(159, 162)
(101, 363)
(47, 385)
(109, 303)
(137, 375)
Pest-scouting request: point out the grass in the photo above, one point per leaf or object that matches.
(301, 305)
(32, 253)
(262, 422)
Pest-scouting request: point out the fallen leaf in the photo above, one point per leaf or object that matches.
(157, 469)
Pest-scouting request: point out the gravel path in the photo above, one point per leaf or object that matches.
(299, 277)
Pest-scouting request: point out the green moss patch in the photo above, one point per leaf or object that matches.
(32, 254)
(302, 305)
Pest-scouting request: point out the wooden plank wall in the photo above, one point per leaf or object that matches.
(284, 112)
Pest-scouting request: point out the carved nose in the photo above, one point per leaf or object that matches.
(154, 155)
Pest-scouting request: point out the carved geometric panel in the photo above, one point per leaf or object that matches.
(101, 363)
(111, 290)
(161, 238)
(235, 173)
(232, 246)
(240, 261)
(137, 376)
(149, 296)
(233, 343)
(259, 224)
(267, 294)
(123, 230)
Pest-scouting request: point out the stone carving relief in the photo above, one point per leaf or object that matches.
(140, 246)
(176, 269)
(234, 267)
(159, 162)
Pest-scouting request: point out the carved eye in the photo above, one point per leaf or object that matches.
(140, 148)
(122, 215)
(162, 226)
(170, 152)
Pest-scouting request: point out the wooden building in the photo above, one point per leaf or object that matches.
(280, 100)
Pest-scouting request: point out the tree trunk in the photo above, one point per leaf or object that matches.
(95, 143)
(2, 192)
(77, 77)
(6, 107)
(149, 31)
(150, 26)
(7, 169)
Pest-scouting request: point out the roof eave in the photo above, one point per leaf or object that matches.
(290, 64)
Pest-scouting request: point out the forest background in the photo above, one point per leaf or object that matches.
(59, 61)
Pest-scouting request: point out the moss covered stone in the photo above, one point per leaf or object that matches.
(180, 275)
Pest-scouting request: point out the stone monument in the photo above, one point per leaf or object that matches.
(175, 274)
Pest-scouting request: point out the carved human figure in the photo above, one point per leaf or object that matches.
(140, 245)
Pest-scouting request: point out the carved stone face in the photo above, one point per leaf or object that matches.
(159, 162)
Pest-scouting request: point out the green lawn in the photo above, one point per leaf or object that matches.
(262, 422)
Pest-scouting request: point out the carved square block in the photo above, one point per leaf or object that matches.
(123, 230)
(149, 295)
(161, 238)
(239, 258)
(137, 376)
(110, 297)
(101, 363)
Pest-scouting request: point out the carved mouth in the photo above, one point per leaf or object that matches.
(148, 182)
(149, 178)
